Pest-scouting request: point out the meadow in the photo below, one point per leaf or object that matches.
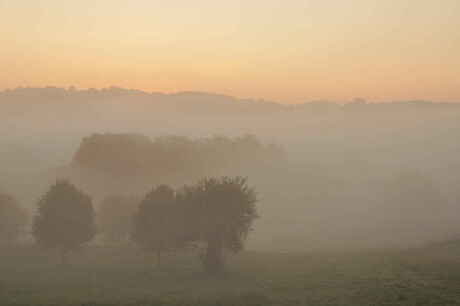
(103, 276)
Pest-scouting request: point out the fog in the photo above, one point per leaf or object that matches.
(328, 175)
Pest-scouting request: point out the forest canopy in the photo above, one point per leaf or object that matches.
(138, 155)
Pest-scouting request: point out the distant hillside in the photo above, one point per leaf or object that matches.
(20, 101)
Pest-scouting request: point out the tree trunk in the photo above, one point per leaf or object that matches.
(213, 259)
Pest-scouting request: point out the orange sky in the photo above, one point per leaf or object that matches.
(290, 51)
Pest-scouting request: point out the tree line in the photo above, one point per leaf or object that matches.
(214, 215)
(167, 156)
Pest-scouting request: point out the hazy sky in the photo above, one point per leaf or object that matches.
(290, 51)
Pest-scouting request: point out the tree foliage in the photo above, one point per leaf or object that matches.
(157, 224)
(216, 213)
(65, 218)
(224, 212)
(133, 155)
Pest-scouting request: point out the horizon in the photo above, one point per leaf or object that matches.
(75, 89)
(296, 52)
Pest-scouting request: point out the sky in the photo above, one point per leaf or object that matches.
(289, 51)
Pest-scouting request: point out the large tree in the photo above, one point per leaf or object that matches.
(115, 216)
(65, 218)
(157, 225)
(224, 210)
(13, 219)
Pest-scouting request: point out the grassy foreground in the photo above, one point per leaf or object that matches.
(116, 276)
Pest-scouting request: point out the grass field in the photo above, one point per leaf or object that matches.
(120, 276)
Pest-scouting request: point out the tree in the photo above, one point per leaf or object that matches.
(224, 210)
(65, 218)
(115, 216)
(13, 219)
(156, 224)
(134, 162)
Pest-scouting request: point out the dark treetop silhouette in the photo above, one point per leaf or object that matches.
(157, 224)
(223, 212)
(65, 218)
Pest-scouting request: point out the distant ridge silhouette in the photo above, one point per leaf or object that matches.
(200, 98)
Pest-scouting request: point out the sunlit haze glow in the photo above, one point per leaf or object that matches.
(288, 51)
